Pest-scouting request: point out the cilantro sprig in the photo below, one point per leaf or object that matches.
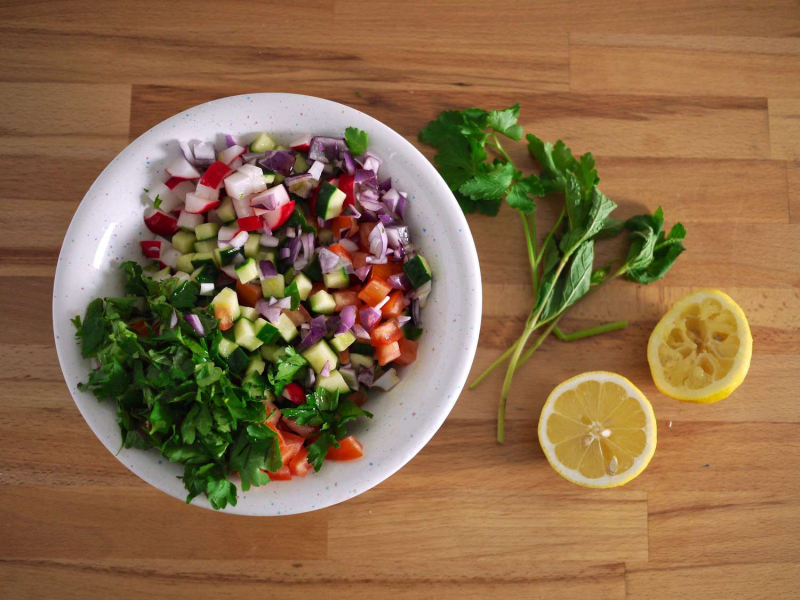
(357, 140)
(482, 175)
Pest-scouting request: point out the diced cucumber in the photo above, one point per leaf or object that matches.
(206, 246)
(281, 147)
(253, 379)
(337, 279)
(304, 286)
(226, 347)
(269, 178)
(287, 328)
(226, 212)
(300, 164)
(361, 360)
(333, 382)
(225, 256)
(330, 201)
(183, 241)
(288, 275)
(207, 273)
(292, 292)
(249, 313)
(247, 271)
(364, 348)
(256, 365)
(150, 269)
(245, 334)
(238, 360)
(418, 271)
(350, 378)
(314, 270)
(251, 245)
(262, 143)
(325, 237)
(341, 342)
(273, 353)
(273, 286)
(266, 331)
(322, 303)
(201, 259)
(269, 255)
(319, 354)
(161, 275)
(181, 276)
(206, 231)
(277, 177)
(184, 263)
(227, 301)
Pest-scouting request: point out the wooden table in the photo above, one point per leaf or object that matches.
(689, 104)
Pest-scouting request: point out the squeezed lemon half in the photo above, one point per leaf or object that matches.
(700, 351)
(598, 430)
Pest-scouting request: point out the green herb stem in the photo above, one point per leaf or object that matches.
(551, 234)
(589, 332)
(530, 241)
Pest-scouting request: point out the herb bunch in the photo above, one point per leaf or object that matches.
(482, 175)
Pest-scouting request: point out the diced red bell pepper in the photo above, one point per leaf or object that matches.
(408, 352)
(376, 290)
(349, 449)
(387, 332)
(282, 474)
(300, 466)
(385, 271)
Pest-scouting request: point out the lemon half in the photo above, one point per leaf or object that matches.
(700, 351)
(598, 430)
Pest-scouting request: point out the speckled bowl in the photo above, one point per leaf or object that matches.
(108, 225)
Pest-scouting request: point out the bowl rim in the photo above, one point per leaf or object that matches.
(474, 311)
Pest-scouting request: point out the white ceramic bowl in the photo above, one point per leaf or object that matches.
(108, 225)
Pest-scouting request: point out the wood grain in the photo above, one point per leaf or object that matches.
(693, 105)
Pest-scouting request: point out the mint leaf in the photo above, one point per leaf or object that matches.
(357, 140)
(505, 122)
(652, 254)
(599, 209)
(490, 184)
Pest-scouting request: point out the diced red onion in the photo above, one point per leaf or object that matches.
(187, 153)
(348, 245)
(283, 303)
(194, 322)
(347, 318)
(290, 232)
(315, 333)
(270, 313)
(301, 185)
(387, 381)
(402, 320)
(385, 185)
(294, 249)
(229, 141)
(349, 164)
(267, 268)
(310, 377)
(325, 371)
(240, 239)
(372, 162)
(360, 332)
(362, 272)
(377, 261)
(315, 170)
(368, 217)
(230, 271)
(173, 319)
(398, 236)
(366, 376)
(386, 219)
(204, 154)
(400, 209)
(251, 156)
(366, 177)
(351, 211)
(308, 245)
(415, 316)
(369, 317)
(328, 261)
(269, 241)
(279, 161)
(399, 281)
(326, 149)
(378, 242)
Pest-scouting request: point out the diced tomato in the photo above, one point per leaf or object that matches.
(349, 449)
(282, 474)
(295, 393)
(375, 291)
(358, 398)
(345, 298)
(304, 431)
(408, 352)
(394, 307)
(299, 465)
(251, 223)
(298, 317)
(248, 293)
(387, 332)
(224, 317)
(140, 327)
(273, 414)
(344, 356)
(341, 252)
(346, 184)
(363, 235)
(288, 443)
(384, 271)
(359, 259)
(387, 353)
(346, 225)
(317, 287)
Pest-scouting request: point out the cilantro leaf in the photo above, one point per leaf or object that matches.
(357, 140)
(505, 122)
(490, 184)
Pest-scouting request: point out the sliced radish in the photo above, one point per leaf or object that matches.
(180, 187)
(256, 177)
(187, 220)
(151, 248)
(302, 144)
(231, 154)
(240, 239)
(182, 169)
(169, 201)
(237, 163)
(279, 216)
(170, 257)
(215, 174)
(159, 222)
(241, 205)
(207, 193)
(238, 185)
(196, 205)
(252, 223)
(227, 233)
(271, 199)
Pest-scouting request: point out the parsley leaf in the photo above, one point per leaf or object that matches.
(357, 140)
(319, 448)
(286, 369)
(520, 194)
(505, 122)
(490, 184)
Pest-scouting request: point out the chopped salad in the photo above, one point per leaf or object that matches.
(283, 286)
